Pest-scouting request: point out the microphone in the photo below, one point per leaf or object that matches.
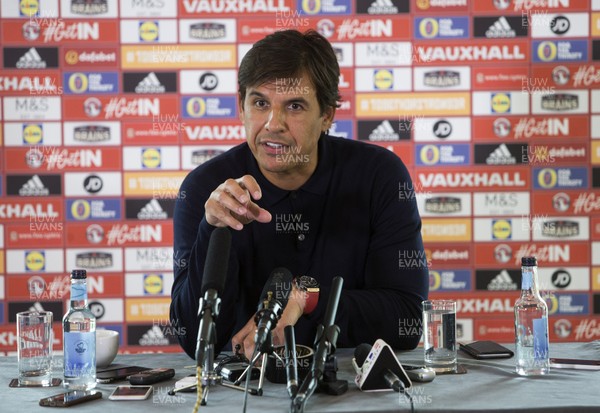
(274, 298)
(213, 283)
(378, 368)
(291, 368)
(325, 341)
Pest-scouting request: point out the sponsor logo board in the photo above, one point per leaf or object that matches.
(440, 204)
(203, 56)
(446, 230)
(95, 260)
(449, 280)
(148, 284)
(501, 203)
(531, 127)
(547, 253)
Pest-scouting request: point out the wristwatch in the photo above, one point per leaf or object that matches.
(311, 287)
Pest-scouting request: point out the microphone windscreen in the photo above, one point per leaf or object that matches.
(361, 352)
(280, 284)
(217, 260)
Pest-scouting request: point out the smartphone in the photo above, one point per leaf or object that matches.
(131, 393)
(121, 373)
(419, 373)
(578, 364)
(70, 398)
(485, 350)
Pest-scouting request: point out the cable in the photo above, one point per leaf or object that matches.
(248, 375)
(198, 389)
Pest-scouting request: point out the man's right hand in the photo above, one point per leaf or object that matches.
(230, 205)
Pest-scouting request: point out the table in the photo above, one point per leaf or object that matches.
(489, 386)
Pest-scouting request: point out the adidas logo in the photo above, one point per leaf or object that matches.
(382, 7)
(34, 187)
(384, 132)
(31, 60)
(154, 337)
(501, 156)
(500, 28)
(150, 84)
(152, 210)
(502, 281)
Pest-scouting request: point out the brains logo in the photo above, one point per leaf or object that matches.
(32, 134)
(153, 284)
(151, 158)
(552, 302)
(81, 209)
(547, 51)
(429, 28)
(29, 8)
(35, 260)
(311, 6)
(78, 83)
(149, 31)
(547, 178)
(383, 79)
(501, 229)
(430, 154)
(500, 102)
(196, 107)
(435, 280)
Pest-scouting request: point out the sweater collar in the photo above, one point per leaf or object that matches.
(317, 183)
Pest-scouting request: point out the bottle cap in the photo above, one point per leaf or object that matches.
(528, 261)
(79, 274)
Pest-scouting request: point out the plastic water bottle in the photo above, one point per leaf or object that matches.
(79, 337)
(531, 324)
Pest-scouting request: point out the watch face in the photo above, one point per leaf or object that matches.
(308, 282)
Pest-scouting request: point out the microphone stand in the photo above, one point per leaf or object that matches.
(265, 350)
(205, 354)
(325, 342)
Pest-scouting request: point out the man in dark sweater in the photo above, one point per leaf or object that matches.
(298, 198)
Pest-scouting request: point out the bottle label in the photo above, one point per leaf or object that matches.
(80, 353)
(78, 292)
(527, 279)
(540, 338)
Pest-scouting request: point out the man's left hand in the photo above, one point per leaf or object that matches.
(292, 312)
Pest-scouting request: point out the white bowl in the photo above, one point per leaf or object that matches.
(107, 345)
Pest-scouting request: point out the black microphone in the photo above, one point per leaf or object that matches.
(328, 321)
(291, 368)
(213, 283)
(273, 300)
(378, 368)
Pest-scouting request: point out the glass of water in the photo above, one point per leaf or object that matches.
(34, 331)
(439, 319)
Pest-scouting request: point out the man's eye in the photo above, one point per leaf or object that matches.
(260, 103)
(296, 106)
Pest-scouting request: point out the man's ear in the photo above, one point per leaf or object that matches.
(240, 107)
(328, 116)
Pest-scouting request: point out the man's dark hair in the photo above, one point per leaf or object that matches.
(290, 53)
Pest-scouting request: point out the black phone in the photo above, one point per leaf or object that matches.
(578, 364)
(486, 349)
(70, 398)
(121, 373)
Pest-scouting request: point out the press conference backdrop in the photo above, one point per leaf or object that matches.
(493, 105)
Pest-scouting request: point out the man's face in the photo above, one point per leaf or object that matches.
(283, 123)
